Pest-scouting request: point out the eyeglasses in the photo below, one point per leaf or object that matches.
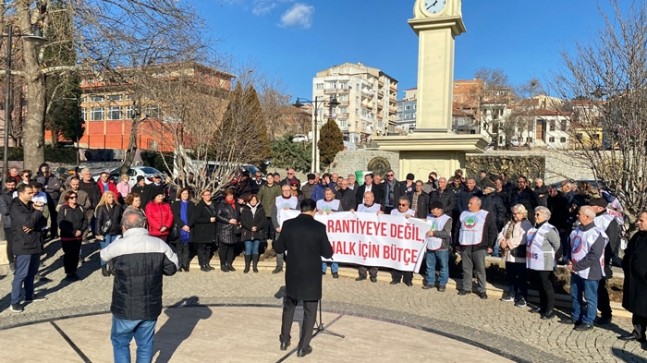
(389, 174)
(403, 204)
(73, 197)
(290, 173)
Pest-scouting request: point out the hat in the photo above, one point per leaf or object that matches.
(311, 176)
(140, 177)
(598, 202)
(436, 204)
(410, 176)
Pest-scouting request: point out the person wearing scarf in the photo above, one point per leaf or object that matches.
(227, 217)
(253, 222)
(183, 213)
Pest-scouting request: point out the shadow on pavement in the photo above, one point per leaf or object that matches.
(183, 317)
(625, 356)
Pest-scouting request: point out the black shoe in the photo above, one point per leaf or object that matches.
(302, 352)
(277, 270)
(568, 321)
(186, 268)
(537, 309)
(630, 337)
(35, 298)
(323, 273)
(483, 295)
(16, 308)
(547, 315)
(583, 327)
(394, 282)
(231, 268)
(224, 268)
(463, 292)
(408, 283)
(205, 269)
(602, 321)
(373, 279)
(72, 277)
(255, 263)
(521, 303)
(427, 287)
(360, 278)
(104, 271)
(211, 268)
(285, 344)
(441, 288)
(335, 275)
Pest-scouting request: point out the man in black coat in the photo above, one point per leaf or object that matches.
(346, 196)
(305, 241)
(524, 196)
(634, 265)
(27, 222)
(368, 186)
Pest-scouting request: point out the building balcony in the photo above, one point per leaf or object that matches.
(343, 115)
(333, 91)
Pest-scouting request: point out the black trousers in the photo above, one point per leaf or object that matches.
(517, 280)
(544, 284)
(269, 230)
(182, 251)
(307, 326)
(640, 323)
(604, 305)
(8, 232)
(203, 250)
(226, 254)
(397, 275)
(71, 251)
(371, 270)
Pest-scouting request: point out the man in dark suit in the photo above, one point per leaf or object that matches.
(369, 186)
(305, 241)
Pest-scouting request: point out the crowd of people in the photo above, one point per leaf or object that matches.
(533, 228)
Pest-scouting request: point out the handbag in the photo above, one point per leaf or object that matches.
(174, 233)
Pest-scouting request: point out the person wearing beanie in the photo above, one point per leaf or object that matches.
(438, 240)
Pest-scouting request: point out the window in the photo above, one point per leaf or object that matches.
(578, 136)
(407, 107)
(551, 125)
(595, 137)
(114, 113)
(528, 139)
(152, 111)
(130, 112)
(83, 114)
(97, 113)
(562, 139)
(115, 97)
(319, 86)
(551, 139)
(96, 98)
(343, 124)
(564, 125)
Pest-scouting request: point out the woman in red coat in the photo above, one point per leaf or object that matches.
(159, 217)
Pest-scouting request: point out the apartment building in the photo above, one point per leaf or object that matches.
(367, 100)
(405, 120)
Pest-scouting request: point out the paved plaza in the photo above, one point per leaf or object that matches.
(235, 317)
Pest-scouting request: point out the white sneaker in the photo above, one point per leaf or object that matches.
(507, 298)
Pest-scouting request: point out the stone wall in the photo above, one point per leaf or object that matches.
(349, 161)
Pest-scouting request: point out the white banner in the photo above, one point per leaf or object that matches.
(370, 239)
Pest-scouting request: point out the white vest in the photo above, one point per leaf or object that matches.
(326, 207)
(581, 242)
(437, 224)
(396, 212)
(472, 225)
(535, 255)
(284, 204)
(372, 209)
(602, 221)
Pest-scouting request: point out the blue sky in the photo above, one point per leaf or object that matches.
(288, 41)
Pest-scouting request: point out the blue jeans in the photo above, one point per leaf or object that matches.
(588, 289)
(123, 332)
(443, 258)
(26, 269)
(334, 267)
(251, 247)
(107, 239)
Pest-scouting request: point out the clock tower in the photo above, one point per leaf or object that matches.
(433, 146)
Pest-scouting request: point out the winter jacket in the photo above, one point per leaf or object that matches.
(422, 204)
(225, 230)
(139, 261)
(5, 205)
(634, 265)
(249, 220)
(93, 191)
(24, 215)
(176, 208)
(516, 244)
(52, 186)
(107, 213)
(267, 195)
(159, 215)
(71, 220)
(112, 187)
(494, 205)
(447, 197)
(204, 231)
(346, 199)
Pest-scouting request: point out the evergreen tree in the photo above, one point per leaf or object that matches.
(286, 153)
(330, 142)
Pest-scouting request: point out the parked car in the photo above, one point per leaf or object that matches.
(146, 171)
(299, 138)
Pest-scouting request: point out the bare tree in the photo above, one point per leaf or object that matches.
(605, 83)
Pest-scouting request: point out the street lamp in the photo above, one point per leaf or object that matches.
(38, 38)
(332, 103)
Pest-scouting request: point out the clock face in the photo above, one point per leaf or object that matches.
(434, 6)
